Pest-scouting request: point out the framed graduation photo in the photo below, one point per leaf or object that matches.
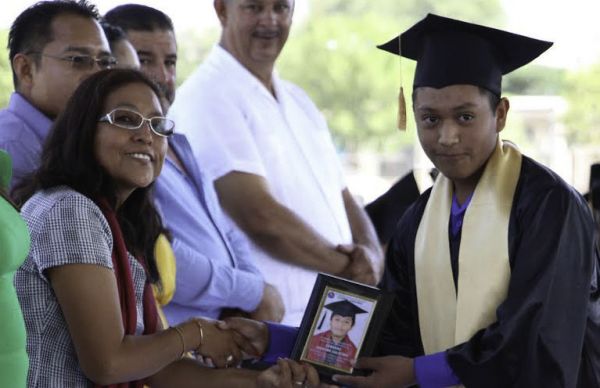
(340, 324)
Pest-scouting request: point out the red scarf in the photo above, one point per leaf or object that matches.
(122, 270)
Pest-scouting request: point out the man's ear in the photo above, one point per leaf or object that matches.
(24, 67)
(221, 10)
(501, 113)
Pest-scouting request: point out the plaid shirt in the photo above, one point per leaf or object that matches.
(66, 228)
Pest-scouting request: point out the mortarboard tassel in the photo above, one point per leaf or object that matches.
(401, 110)
(401, 101)
(322, 320)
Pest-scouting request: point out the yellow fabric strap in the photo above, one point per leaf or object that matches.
(165, 261)
(446, 319)
(423, 179)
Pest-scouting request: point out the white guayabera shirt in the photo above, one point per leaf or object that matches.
(235, 124)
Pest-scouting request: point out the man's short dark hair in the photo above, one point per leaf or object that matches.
(138, 17)
(32, 29)
(493, 98)
(113, 33)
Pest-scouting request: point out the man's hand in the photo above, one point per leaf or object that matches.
(270, 307)
(364, 264)
(253, 333)
(391, 371)
(288, 374)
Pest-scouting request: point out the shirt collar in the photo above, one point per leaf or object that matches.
(34, 119)
(459, 209)
(222, 58)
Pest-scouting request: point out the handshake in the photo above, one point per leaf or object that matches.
(226, 343)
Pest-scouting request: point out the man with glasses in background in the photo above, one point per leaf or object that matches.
(53, 46)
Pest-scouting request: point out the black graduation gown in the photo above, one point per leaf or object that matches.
(387, 209)
(547, 332)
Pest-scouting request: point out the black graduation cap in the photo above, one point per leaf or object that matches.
(344, 308)
(452, 52)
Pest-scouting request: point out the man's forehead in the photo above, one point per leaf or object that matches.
(453, 96)
(69, 30)
(289, 2)
(149, 40)
(341, 316)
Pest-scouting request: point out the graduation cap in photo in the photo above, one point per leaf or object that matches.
(453, 52)
(343, 308)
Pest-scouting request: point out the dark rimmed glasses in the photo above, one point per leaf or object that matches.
(128, 119)
(84, 62)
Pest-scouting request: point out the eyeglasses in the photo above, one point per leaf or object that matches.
(128, 119)
(84, 62)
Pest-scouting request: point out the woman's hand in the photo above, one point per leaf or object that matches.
(222, 347)
(254, 334)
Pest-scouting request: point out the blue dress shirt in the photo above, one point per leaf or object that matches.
(23, 130)
(214, 270)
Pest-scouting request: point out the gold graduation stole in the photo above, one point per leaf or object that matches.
(445, 318)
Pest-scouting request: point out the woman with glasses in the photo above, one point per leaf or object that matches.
(85, 286)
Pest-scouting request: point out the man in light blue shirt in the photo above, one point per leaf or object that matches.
(53, 46)
(214, 270)
(23, 129)
(211, 273)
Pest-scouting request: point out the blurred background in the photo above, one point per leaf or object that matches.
(555, 101)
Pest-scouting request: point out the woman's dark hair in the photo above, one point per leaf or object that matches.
(68, 159)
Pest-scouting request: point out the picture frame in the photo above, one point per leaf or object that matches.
(341, 323)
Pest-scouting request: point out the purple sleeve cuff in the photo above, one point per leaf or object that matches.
(433, 371)
(281, 342)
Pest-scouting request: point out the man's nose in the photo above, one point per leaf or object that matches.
(449, 134)
(161, 74)
(269, 16)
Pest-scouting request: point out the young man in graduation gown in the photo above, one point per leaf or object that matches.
(494, 269)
